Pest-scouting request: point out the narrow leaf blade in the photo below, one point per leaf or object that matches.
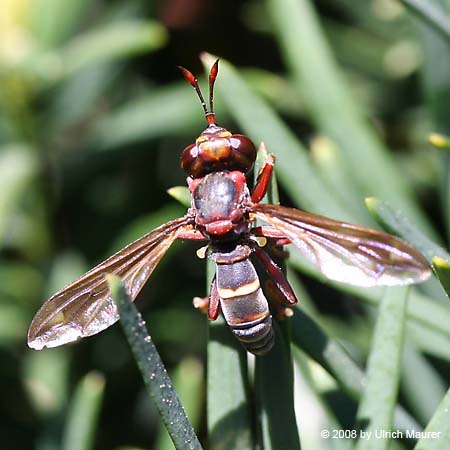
(436, 435)
(277, 424)
(155, 376)
(82, 421)
(376, 409)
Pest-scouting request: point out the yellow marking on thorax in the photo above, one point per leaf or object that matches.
(245, 289)
(201, 139)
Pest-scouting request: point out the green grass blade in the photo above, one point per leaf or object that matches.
(430, 13)
(436, 435)
(188, 380)
(315, 342)
(333, 107)
(442, 270)
(376, 409)
(309, 337)
(19, 282)
(83, 415)
(46, 380)
(74, 99)
(113, 42)
(421, 309)
(313, 387)
(277, 426)
(275, 412)
(228, 411)
(295, 172)
(335, 172)
(131, 448)
(48, 436)
(396, 221)
(18, 164)
(13, 323)
(52, 21)
(172, 109)
(153, 371)
(277, 90)
(428, 341)
(181, 194)
(429, 314)
(143, 224)
(422, 387)
(435, 74)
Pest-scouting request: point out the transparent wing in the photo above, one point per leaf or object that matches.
(85, 306)
(349, 253)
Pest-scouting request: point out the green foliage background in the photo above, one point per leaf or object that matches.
(93, 118)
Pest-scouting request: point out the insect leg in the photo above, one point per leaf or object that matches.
(278, 278)
(276, 237)
(209, 304)
(191, 235)
(214, 301)
(262, 183)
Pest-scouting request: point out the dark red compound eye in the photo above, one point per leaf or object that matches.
(243, 152)
(189, 160)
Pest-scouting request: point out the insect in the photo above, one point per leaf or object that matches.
(223, 212)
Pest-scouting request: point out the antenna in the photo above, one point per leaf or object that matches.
(212, 79)
(190, 78)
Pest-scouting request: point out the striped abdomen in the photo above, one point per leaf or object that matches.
(244, 305)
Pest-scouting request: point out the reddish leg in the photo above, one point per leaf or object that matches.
(276, 237)
(263, 181)
(201, 303)
(278, 278)
(214, 301)
(277, 300)
(191, 235)
(209, 304)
